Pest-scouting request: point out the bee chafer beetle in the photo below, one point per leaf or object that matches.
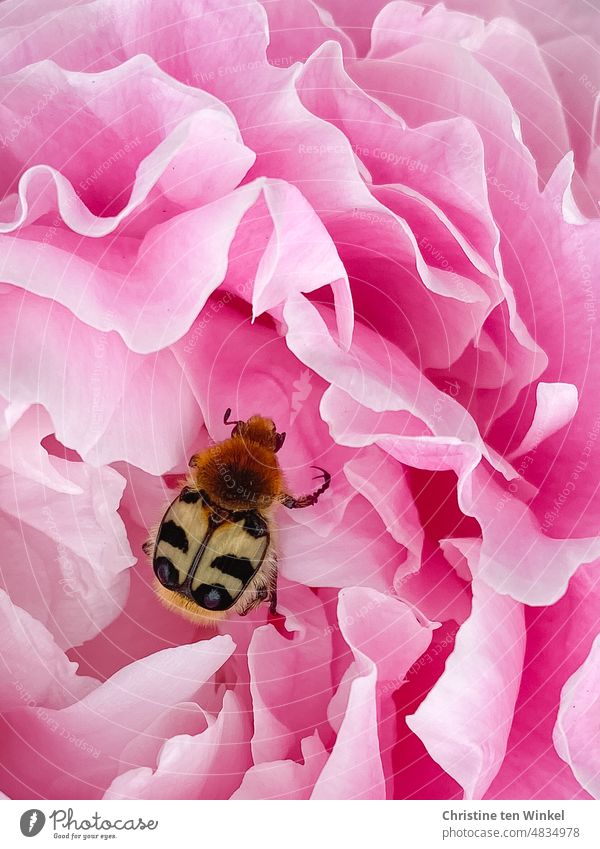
(214, 552)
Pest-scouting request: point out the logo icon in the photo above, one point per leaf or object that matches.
(32, 822)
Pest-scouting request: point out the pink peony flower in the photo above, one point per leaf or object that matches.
(377, 225)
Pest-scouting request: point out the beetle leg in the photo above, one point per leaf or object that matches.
(273, 593)
(261, 595)
(312, 497)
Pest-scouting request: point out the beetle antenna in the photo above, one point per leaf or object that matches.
(226, 419)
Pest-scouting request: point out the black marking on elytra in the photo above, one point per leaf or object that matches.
(238, 567)
(166, 573)
(190, 496)
(212, 597)
(254, 524)
(174, 534)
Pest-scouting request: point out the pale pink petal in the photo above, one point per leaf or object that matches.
(299, 257)
(181, 262)
(511, 54)
(400, 24)
(576, 731)
(285, 779)
(356, 18)
(398, 155)
(35, 671)
(105, 402)
(379, 376)
(547, 19)
(559, 638)
(358, 550)
(209, 765)
(74, 752)
(290, 680)
(66, 552)
(436, 590)
(517, 554)
(465, 720)
(557, 297)
(384, 647)
(384, 484)
(93, 36)
(556, 406)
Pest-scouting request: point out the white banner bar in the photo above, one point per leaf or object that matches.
(512, 825)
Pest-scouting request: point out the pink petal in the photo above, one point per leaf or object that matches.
(383, 483)
(296, 28)
(93, 37)
(511, 54)
(111, 157)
